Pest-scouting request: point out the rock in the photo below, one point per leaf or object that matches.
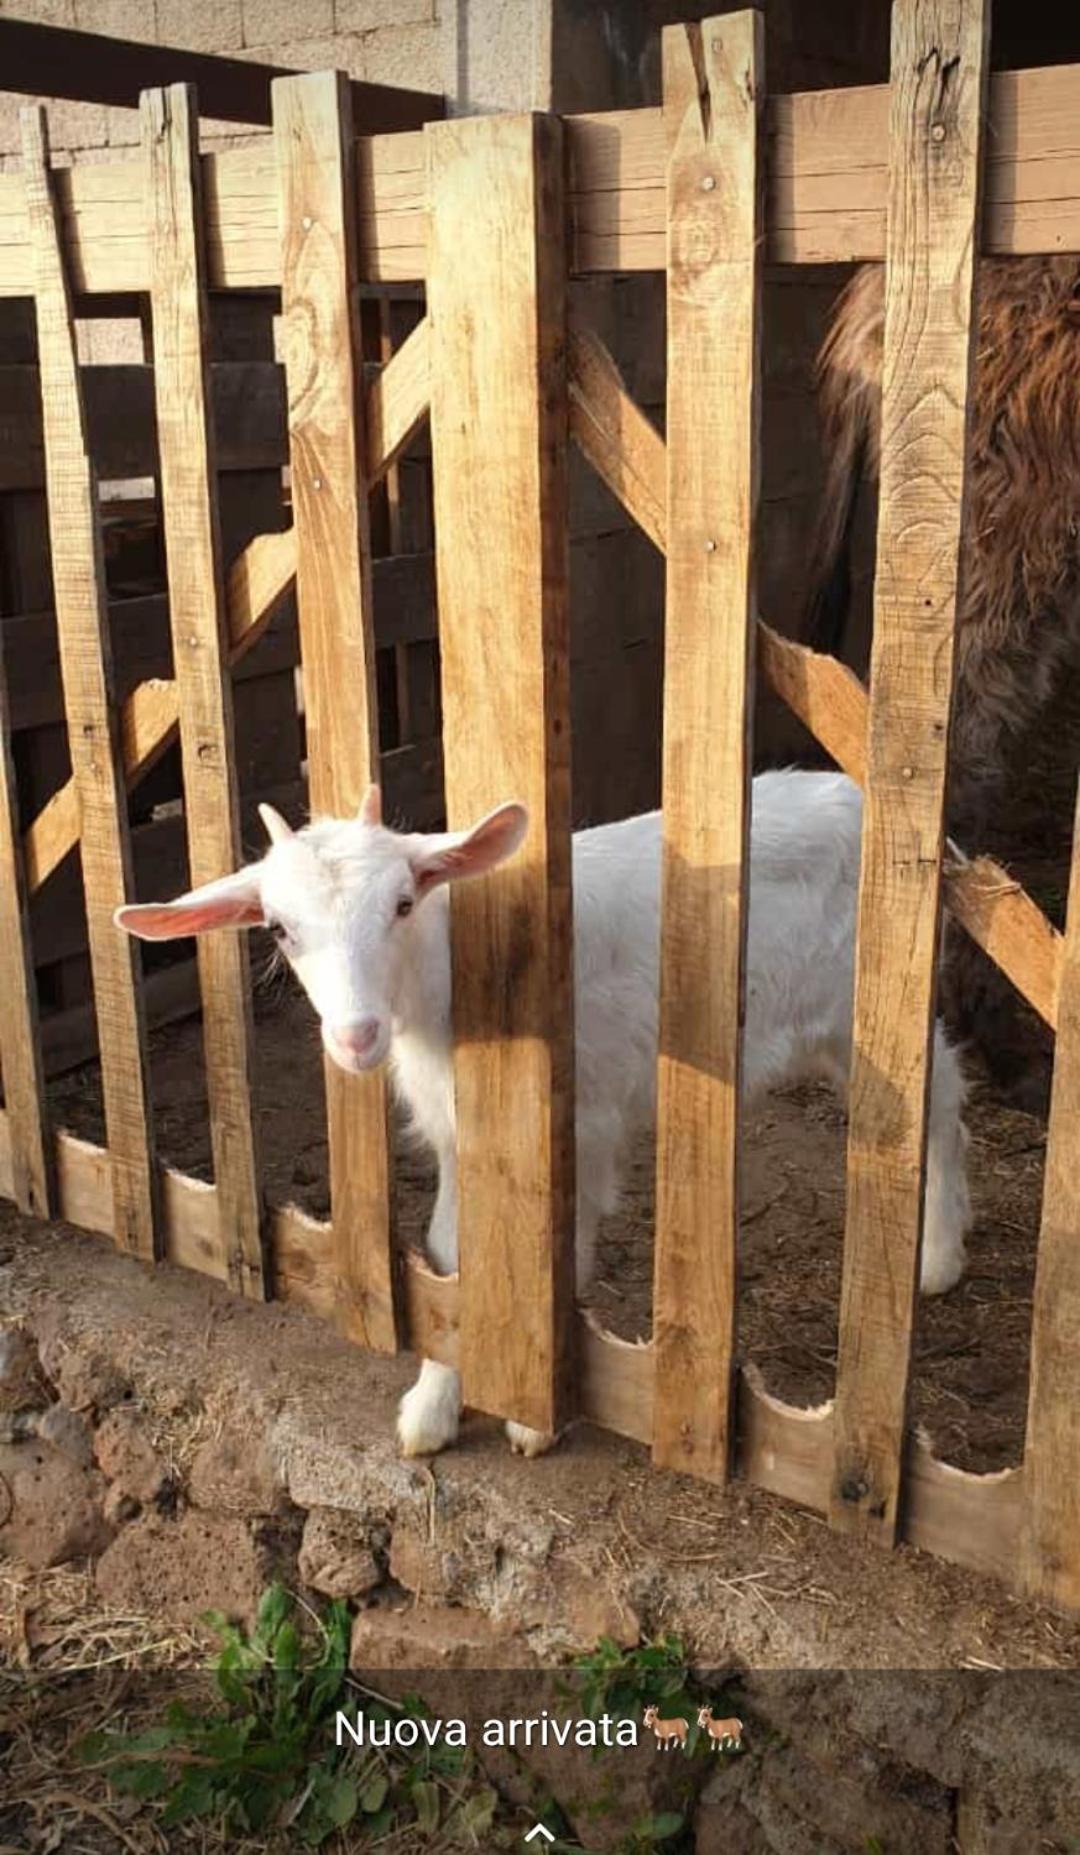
(235, 1473)
(423, 1637)
(177, 1569)
(118, 1506)
(54, 1507)
(22, 1385)
(794, 1805)
(127, 1457)
(67, 1432)
(84, 1381)
(335, 1554)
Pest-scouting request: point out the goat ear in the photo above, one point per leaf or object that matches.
(473, 853)
(371, 806)
(233, 902)
(278, 830)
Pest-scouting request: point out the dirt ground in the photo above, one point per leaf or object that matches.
(971, 1359)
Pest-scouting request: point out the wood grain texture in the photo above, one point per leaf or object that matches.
(939, 65)
(1050, 1542)
(498, 430)
(826, 200)
(197, 611)
(32, 1182)
(257, 582)
(82, 624)
(713, 95)
(324, 373)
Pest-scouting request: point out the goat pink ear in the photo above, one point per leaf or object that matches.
(234, 902)
(278, 830)
(371, 806)
(475, 852)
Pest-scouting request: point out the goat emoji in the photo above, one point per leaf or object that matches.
(722, 1732)
(668, 1732)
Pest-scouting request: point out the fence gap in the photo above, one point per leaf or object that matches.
(315, 148)
(939, 74)
(25, 1109)
(1050, 1535)
(496, 290)
(92, 716)
(180, 320)
(713, 100)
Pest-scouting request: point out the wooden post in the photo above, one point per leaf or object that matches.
(197, 614)
(86, 666)
(33, 1182)
(713, 100)
(1050, 1527)
(939, 68)
(498, 426)
(315, 147)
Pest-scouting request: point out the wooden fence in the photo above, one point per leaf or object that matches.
(923, 173)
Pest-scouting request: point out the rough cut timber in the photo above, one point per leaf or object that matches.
(32, 1180)
(713, 94)
(180, 314)
(82, 622)
(498, 432)
(939, 67)
(324, 373)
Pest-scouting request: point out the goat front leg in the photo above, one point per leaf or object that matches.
(430, 1412)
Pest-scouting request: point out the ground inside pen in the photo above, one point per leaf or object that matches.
(970, 1373)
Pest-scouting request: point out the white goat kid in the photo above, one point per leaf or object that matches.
(361, 913)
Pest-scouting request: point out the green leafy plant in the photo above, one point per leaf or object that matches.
(623, 1682)
(263, 1760)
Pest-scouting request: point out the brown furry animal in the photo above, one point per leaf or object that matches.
(1018, 626)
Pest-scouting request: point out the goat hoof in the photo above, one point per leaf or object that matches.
(425, 1424)
(526, 1442)
(942, 1272)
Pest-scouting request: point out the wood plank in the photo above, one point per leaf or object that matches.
(714, 80)
(1050, 1543)
(79, 584)
(30, 1140)
(324, 370)
(498, 432)
(180, 319)
(939, 65)
(51, 61)
(630, 456)
(826, 193)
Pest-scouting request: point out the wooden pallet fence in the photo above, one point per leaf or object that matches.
(939, 65)
(79, 582)
(713, 95)
(498, 431)
(314, 147)
(180, 316)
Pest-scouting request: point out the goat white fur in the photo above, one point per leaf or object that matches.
(350, 903)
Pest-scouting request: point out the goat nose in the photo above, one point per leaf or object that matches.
(357, 1037)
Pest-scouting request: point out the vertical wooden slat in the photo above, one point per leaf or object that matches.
(1050, 1534)
(498, 427)
(86, 667)
(324, 375)
(20, 1045)
(197, 613)
(713, 101)
(939, 67)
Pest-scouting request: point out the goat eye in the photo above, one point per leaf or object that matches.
(280, 932)
(405, 905)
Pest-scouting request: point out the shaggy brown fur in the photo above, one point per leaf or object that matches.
(1018, 627)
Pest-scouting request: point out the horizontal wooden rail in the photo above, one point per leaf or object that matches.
(629, 454)
(248, 410)
(257, 582)
(826, 177)
(54, 61)
(973, 1520)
